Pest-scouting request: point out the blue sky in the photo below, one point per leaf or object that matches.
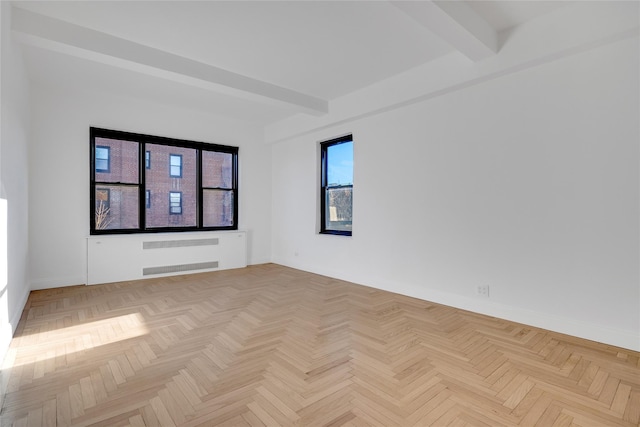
(340, 164)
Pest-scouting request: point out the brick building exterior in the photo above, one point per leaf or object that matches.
(163, 180)
(117, 163)
(171, 187)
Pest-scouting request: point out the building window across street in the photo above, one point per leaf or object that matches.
(103, 159)
(175, 165)
(175, 203)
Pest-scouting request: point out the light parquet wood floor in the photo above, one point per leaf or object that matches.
(269, 345)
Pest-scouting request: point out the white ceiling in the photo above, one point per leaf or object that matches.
(318, 49)
(503, 15)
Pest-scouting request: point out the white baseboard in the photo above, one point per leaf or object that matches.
(15, 319)
(259, 261)
(6, 335)
(60, 282)
(617, 337)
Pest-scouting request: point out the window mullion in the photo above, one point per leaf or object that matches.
(142, 195)
(199, 190)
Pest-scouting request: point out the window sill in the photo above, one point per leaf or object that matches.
(337, 233)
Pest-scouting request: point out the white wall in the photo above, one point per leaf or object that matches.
(14, 183)
(59, 177)
(527, 183)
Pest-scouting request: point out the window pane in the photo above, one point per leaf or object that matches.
(340, 164)
(175, 165)
(160, 212)
(175, 203)
(218, 208)
(102, 153)
(116, 161)
(217, 169)
(116, 207)
(337, 186)
(339, 205)
(102, 159)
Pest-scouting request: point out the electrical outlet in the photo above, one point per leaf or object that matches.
(482, 291)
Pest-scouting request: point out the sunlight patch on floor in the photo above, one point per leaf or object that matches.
(47, 345)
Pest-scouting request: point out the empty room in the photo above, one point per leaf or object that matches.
(320, 213)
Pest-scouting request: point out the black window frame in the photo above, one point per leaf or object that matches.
(171, 156)
(171, 195)
(108, 169)
(324, 185)
(142, 140)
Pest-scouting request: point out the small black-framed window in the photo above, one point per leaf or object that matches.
(147, 198)
(175, 165)
(103, 159)
(147, 159)
(336, 186)
(175, 203)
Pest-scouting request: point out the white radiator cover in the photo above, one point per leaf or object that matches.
(119, 258)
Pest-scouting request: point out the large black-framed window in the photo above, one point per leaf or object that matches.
(336, 186)
(204, 198)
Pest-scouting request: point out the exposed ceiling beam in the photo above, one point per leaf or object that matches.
(53, 34)
(456, 23)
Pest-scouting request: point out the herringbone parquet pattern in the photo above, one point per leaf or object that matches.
(269, 345)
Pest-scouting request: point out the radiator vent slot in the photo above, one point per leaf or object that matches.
(162, 244)
(179, 267)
